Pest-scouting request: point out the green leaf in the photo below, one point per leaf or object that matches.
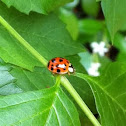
(71, 5)
(90, 26)
(120, 44)
(71, 21)
(90, 7)
(123, 29)
(16, 80)
(7, 82)
(49, 107)
(114, 12)
(46, 34)
(40, 6)
(26, 80)
(110, 94)
(85, 121)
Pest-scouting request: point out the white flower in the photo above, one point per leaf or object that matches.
(99, 48)
(93, 70)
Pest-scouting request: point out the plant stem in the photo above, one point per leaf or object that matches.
(63, 80)
(79, 101)
(23, 42)
(58, 80)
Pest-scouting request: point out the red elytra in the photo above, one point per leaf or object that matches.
(60, 65)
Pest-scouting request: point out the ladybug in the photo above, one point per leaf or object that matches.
(60, 65)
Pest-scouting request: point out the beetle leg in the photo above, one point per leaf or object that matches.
(68, 73)
(53, 74)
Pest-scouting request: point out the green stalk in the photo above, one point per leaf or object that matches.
(63, 80)
(23, 42)
(58, 80)
(79, 101)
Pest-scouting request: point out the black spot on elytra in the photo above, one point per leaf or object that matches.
(53, 60)
(58, 70)
(65, 64)
(60, 60)
(52, 65)
(64, 68)
(57, 65)
(51, 68)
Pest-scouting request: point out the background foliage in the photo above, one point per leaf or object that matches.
(28, 91)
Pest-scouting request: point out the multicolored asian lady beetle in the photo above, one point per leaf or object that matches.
(60, 65)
